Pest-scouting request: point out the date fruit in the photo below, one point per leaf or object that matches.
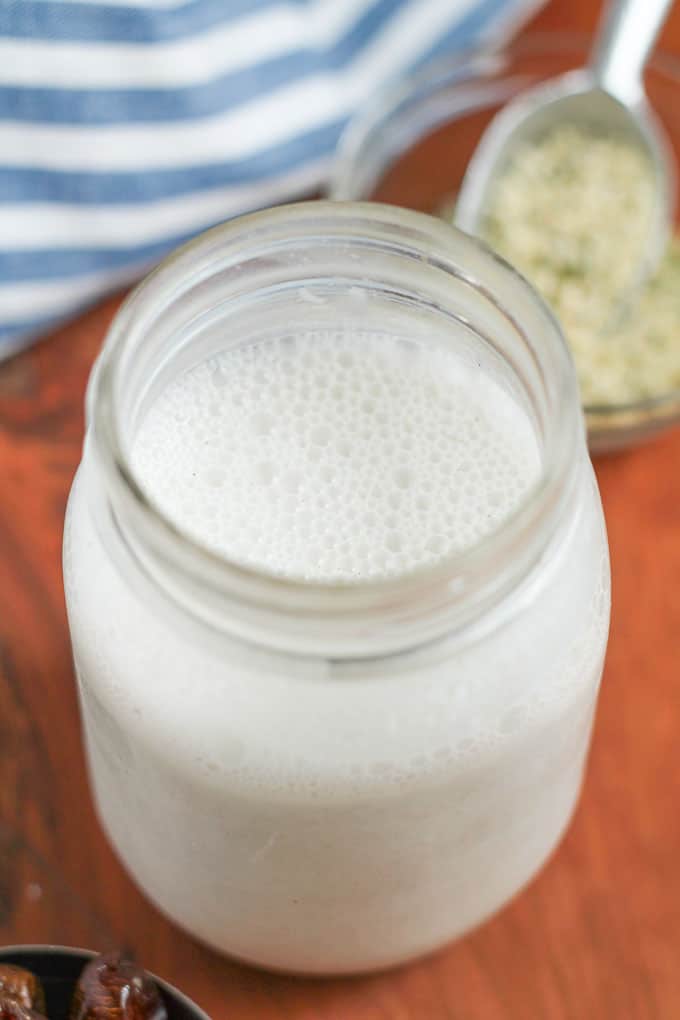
(21, 986)
(10, 1009)
(112, 987)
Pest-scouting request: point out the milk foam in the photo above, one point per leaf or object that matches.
(336, 457)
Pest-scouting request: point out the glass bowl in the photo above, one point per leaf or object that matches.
(412, 145)
(59, 968)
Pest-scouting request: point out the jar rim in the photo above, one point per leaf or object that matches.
(447, 580)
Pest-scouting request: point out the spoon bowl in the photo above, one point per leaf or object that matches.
(605, 99)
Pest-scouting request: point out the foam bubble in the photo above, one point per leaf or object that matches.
(331, 456)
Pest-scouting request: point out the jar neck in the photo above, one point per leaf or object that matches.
(340, 264)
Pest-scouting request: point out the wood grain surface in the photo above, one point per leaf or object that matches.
(595, 937)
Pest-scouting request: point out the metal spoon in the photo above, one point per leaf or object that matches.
(608, 97)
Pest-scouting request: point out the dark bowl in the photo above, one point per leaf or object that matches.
(59, 969)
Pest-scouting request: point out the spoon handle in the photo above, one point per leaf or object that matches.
(625, 37)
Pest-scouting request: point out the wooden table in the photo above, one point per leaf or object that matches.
(595, 937)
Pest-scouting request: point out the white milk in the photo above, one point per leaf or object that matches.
(321, 815)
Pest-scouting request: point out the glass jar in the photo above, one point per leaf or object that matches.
(334, 778)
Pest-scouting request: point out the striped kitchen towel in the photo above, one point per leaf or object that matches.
(127, 126)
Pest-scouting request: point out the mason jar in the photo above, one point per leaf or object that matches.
(326, 777)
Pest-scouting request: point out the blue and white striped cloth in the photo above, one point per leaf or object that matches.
(129, 125)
